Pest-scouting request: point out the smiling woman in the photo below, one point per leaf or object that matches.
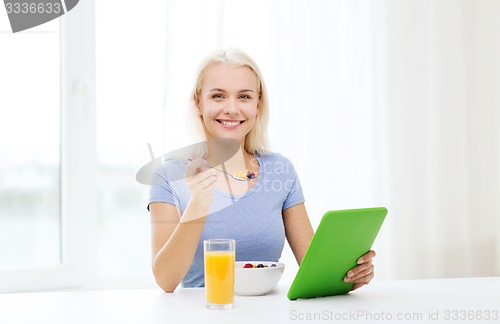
(230, 98)
(387, 103)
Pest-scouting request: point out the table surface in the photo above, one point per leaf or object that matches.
(464, 300)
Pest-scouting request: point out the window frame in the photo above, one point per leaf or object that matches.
(78, 166)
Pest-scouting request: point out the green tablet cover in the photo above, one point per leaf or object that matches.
(341, 238)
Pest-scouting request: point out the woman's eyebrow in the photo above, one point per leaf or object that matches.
(222, 90)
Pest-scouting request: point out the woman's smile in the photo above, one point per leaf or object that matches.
(230, 123)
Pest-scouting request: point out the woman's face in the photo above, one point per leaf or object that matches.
(228, 102)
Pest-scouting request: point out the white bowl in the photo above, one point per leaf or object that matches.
(256, 281)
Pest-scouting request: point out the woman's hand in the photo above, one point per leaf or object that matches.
(361, 274)
(201, 181)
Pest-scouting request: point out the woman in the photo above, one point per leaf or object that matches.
(254, 197)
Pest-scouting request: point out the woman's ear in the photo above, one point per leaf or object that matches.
(197, 105)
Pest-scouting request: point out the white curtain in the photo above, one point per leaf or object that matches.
(438, 112)
(391, 103)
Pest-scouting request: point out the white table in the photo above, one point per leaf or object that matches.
(420, 301)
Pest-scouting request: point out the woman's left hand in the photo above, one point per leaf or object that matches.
(361, 274)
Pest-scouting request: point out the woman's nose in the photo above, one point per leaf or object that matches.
(231, 107)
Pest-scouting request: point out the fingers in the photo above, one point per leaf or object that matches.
(367, 257)
(195, 167)
(358, 285)
(206, 179)
(199, 174)
(359, 271)
(201, 179)
(363, 273)
(361, 281)
(360, 275)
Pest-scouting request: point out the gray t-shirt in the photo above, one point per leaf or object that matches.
(254, 220)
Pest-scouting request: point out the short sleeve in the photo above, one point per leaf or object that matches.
(165, 183)
(295, 195)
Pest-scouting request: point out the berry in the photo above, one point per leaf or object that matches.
(260, 265)
(250, 175)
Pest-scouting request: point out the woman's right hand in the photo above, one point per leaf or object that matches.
(201, 181)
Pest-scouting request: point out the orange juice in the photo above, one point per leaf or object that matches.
(219, 277)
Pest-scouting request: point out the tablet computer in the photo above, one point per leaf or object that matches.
(341, 238)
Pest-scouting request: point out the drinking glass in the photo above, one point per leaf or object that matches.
(219, 273)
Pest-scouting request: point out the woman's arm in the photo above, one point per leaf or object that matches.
(298, 230)
(173, 243)
(174, 238)
(299, 233)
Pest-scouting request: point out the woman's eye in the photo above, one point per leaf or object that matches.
(217, 96)
(245, 97)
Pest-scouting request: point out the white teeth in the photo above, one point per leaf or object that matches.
(230, 123)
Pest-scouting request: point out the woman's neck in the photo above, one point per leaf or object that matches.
(238, 162)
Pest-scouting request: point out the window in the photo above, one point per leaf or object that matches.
(30, 214)
(46, 129)
(71, 212)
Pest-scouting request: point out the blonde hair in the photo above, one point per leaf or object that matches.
(256, 140)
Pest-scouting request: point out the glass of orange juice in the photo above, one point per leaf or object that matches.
(219, 273)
